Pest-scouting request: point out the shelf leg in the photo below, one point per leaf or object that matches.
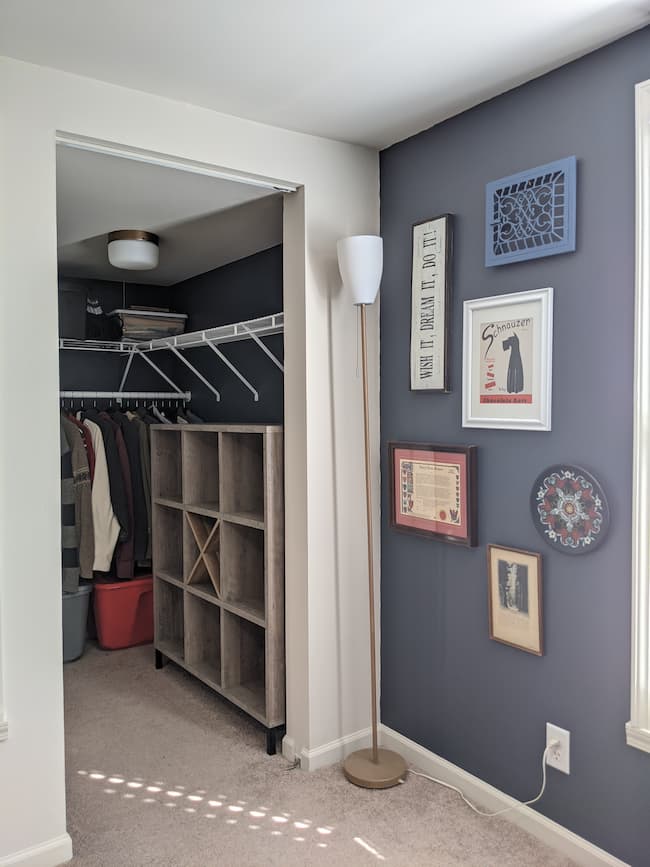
(161, 661)
(272, 738)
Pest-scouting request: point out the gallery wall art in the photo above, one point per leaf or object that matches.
(531, 214)
(507, 361)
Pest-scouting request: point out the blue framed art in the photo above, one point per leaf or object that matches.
(531, 214)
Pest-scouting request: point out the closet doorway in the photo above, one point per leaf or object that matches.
(171, 385)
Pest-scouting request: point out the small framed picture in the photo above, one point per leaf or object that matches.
(431, 303)
(433, 491)
(507, 361)
(515, 598)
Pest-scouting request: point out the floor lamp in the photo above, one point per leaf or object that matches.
(360, 263)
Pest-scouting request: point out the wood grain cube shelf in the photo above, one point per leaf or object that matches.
(218, 552)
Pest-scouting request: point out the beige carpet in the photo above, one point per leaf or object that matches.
(160, 771)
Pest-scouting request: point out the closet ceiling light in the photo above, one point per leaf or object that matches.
(133, 249)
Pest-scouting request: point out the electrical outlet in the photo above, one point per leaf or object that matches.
(558, 756)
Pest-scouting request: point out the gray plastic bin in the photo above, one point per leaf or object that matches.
(75, 616)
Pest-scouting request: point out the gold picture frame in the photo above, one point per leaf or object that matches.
(515, 598)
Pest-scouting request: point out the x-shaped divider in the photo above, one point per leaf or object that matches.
(207, 541)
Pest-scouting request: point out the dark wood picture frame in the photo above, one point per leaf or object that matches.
(515, 622)
(466, 534)
(447, 293)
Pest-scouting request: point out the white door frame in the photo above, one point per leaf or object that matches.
(638, 728)
(294, 698)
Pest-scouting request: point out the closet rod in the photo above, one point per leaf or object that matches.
(128, 395)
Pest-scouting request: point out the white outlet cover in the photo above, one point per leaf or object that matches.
(559, 757)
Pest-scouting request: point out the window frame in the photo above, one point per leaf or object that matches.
(638, 728)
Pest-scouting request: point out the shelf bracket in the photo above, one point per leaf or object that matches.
(262, 346)
(193, 369)
(158, 370)
(126, 371)
(232, 367)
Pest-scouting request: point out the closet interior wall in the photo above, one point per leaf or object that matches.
(242, 290)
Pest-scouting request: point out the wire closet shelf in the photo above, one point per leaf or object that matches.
(252, 329)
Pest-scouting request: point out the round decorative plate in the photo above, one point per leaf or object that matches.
(569, 509)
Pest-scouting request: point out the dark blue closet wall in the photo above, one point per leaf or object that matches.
(476, 702)
(102, 371)
(242, 290)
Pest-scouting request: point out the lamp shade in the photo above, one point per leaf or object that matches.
(361, 261)
(133, 249)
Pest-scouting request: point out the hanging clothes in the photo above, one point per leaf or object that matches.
(145, 463)
(88, 443)
(124, 560)
(82, 493)
(132, 442)
(106, 491)
(115, 474)
(105, 525)
(69, 535)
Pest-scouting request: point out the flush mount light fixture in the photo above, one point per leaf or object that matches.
(133, 249)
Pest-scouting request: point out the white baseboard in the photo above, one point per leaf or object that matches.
(334, 751)
(556, 836)
(289, 748)
(637, 737)
(48, 854)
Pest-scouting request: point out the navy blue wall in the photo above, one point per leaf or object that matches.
(100, 371)
(246, 289)
(476, 702)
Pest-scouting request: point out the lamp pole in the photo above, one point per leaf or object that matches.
(371, 570)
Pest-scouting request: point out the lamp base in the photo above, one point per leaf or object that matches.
(389, 769)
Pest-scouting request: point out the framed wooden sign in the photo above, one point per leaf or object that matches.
(433, 491)
(431, 303)
(515, 598)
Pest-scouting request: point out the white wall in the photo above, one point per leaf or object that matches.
(328, 695)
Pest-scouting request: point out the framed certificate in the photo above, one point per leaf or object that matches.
(433, 491)
(431, 304)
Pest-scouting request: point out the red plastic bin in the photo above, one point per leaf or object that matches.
(124, 613)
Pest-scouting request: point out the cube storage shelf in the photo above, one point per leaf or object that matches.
(218, 561)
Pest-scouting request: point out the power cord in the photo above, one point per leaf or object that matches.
(550, 746)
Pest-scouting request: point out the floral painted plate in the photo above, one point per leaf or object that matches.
(569, 509)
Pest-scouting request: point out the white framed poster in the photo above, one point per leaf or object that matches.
(507, 361)
(431, 303)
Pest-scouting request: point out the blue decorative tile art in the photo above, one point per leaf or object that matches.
(531, 214)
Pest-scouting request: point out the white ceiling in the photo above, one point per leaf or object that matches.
(203, 222)
(368, 71)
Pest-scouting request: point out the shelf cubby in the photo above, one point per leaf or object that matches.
(244, 675)
(203, 639)
(169, 620)
(201, 469)
(166, 472)
(242, 557)
(241, 463)
(167, 528)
